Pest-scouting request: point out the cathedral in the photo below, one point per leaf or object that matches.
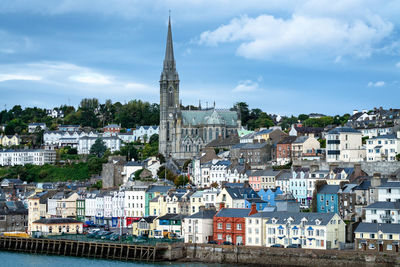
(183, 133)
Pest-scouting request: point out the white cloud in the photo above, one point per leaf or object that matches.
(19, 77)
(246, 86)
(267, 37)
(91, 78)
(376, 84)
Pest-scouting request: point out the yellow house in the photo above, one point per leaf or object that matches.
(146, 226)
(158, 206)
(57, 226)
(66, 206)
(382, 237)
(196, 201)
(37, 207)
(10, 140)
(224, 197)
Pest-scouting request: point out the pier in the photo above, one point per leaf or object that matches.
(114, 251)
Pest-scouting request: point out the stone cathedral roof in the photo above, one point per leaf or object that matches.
(209, 117)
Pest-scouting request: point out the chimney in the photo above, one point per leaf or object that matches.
(221, 205)
(355, 111)
(253, 209)
(376, 180)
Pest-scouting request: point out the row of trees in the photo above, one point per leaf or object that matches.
(256, 118)
(90, 113)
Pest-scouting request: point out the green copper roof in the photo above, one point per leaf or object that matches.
(209, 117)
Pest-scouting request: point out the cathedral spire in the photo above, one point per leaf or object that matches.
(169, 60)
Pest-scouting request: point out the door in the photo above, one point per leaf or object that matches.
(380, 247)
(364, 247)
(396, 247)
(239, 240)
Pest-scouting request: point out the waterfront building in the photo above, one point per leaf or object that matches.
(198, 227)
(382, 237)
(382, 212)
(57, 226)
(13, 216)
(309, 230)
(389, 191)
(152, 192)
(383, 147)
(230, 226)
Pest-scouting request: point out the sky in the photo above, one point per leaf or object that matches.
(285, 57)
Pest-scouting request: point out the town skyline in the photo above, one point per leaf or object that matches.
(115, 53)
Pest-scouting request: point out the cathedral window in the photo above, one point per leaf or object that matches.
(217, 133)
(210, 134)
(192, 132)
(197, 132)
(170, 98)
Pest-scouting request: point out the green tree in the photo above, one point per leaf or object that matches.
(98, 148)
(181, 180)
(303, 117)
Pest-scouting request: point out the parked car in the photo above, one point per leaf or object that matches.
(294, 246)
(106, 235)
(277, 246)
(212, 242)
(227, 243)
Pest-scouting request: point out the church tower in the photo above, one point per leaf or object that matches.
(169, 100)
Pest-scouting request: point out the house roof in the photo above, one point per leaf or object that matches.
(384, 205)
(387, 228)
(329, 189)
(311, 217)
(203, 214)
(249, 145)
(288, 140)
(305, 129)
(158, 188)
(301, 139)
(268, 172)
(390, 185)
(241, 193)
(56, 220)
(235, 213)
(338, 130)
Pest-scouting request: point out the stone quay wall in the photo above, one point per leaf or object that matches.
(263, 256)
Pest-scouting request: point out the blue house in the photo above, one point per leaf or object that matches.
(327, 199)
(260, 204)
(270, 195)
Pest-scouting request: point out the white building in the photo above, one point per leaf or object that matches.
(144, 133)
(90, 206)
(118, 207)
(135, 201)
(218, 171)
(376, 131)
(382, 212)
(55, 139)
(27, 156)
(389, 191)
(112, 143)
(198, 228)
(344, 144)
(383, 147)
(308, 230)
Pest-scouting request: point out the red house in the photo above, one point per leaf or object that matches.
(283, 150)
(229, 224)
(112, 128)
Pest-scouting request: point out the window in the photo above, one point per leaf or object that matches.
(390, 236)
(310, 232)
(281, 232)
(239, 226)
(219, 236)
(389, 247)
(228, 226)
(220, 226)
(372, 235)
(371, 246)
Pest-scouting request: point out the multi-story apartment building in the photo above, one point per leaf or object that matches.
(304, 145)
(198, 227)
(382, 212)
(135, 201)
(27, 156)
(344, 144)
(383, 147)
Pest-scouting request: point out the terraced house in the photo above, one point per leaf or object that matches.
(309, 230)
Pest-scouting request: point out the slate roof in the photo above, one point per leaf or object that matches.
(134, 163)
(220, 142)
(387, 228)
(203, 214)
(301, 139)
(285, 197)
(158, 188)
(364, 185)
(265, 131)
(390, 185)
(233, 213)
(239, 193)
(13, 208)
(384, 205)
(338, 130)
(282, 216)
(268, 172)
(305, 129)
(209, 117)
(386, 136)
(288, 140)
(56, 220)
(149, 219)
(249, 145)
(329, 189)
